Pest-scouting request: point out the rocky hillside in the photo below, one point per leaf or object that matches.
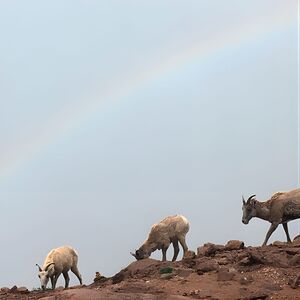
(229, 271)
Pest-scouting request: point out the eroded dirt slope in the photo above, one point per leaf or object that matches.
(215, 272)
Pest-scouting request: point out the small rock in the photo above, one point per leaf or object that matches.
(22, 290)
(209, 249)
(166, 276)
(205, 294)
(292, 251)
(207, 267)
(271, 286)
(189, 263)
(183, 281)
(232, 270)
(258, 295)
(245, 261)
(279, 243)
(295, 261)
(245, 280)
(255, 257)
(294, 282)
(194, 292)
(97, 276)
(78, 286)
(223, 261)
(190, 255)
(234, 245)
(225, 275)
(184, 272)
(14, 289)
(119, 277)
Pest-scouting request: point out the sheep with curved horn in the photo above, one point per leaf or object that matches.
(281, 208)
(59, 261)
(172, 229)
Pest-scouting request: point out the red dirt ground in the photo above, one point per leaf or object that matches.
(216, 272)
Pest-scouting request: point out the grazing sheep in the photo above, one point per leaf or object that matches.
(281, 208)
(59, 260)
(170, 230)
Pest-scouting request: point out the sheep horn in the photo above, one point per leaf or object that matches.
(250, 198)
(133, 254)
(243, 200)
(40, 269)
(49, 266)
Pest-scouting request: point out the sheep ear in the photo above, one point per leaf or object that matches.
(40, 269)
(244, 202)
(133, 254)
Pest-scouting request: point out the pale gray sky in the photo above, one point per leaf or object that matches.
(115, 114)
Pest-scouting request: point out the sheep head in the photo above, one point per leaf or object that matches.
(140, 254)
(44, 275)
(249, 209)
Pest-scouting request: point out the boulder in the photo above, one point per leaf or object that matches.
(223, 261)
(207, 267)
(189, 255)
(209, 249)
(279, 244)
(14, 289)
(234, 245)
(22, 290)
(119, 277)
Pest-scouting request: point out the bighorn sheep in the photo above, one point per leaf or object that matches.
(170, 230)
(281, 208)
(59, 260)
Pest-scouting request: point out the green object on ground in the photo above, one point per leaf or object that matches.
(166, 270)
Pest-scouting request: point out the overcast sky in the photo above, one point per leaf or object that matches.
(115, 114)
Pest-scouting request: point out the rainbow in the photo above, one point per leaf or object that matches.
(62, 125)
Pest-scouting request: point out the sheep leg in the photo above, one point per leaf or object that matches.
(52, 281)
(183, 244)
(164, 253)
(76, 272)
(55, 280)
(270, 231)
(67, 279)
(285, 227)
(176, 249)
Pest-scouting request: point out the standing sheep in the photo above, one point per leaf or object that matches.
(172, 229)
(59, 260)
(281, 208)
